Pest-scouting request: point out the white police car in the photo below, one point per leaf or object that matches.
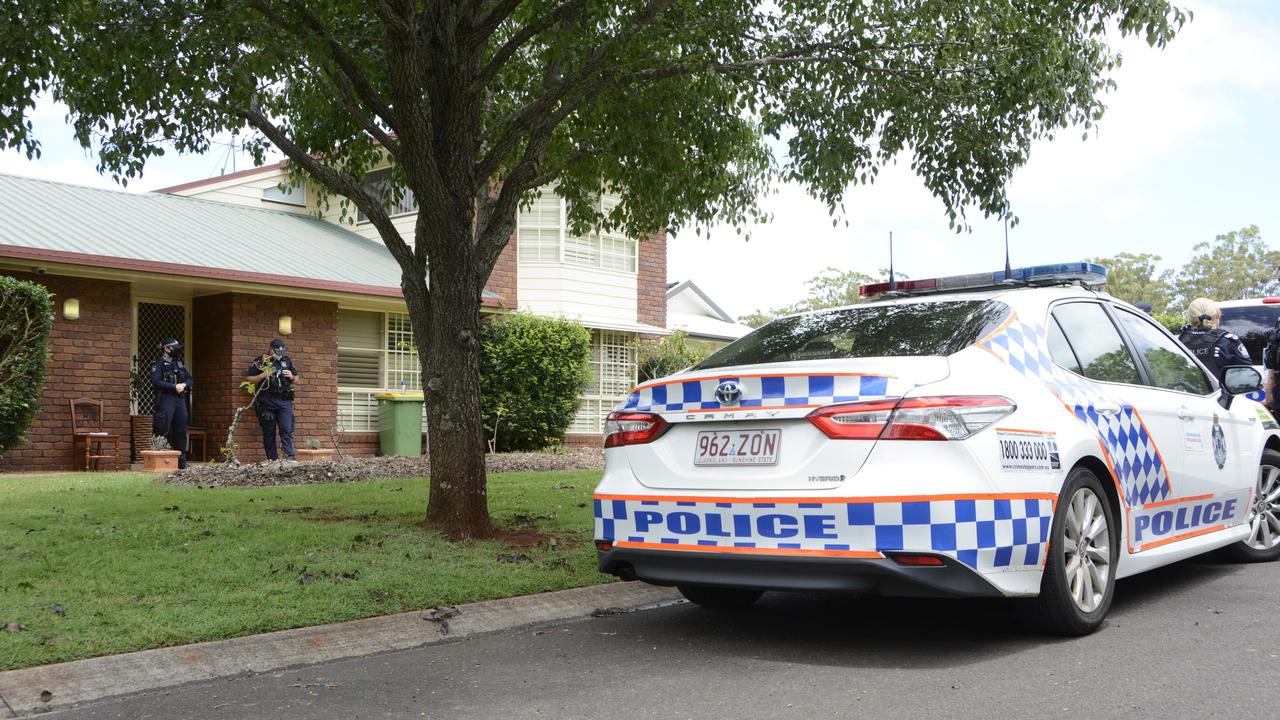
(973, 436)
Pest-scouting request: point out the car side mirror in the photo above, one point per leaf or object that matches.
(1238, 381)
(1241, 380)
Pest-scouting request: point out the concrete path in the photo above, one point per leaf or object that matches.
(49, 687)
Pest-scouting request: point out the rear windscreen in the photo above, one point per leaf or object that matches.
(925, 328)
(1252, 325)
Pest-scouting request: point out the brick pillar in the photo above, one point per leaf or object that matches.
(651, 285)
(89, 358)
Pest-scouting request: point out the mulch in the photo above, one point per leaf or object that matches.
(372, 468)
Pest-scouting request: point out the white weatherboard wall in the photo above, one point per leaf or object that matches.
(589, 295)
(251, 191)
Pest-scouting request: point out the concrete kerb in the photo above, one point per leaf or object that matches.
(49, 687)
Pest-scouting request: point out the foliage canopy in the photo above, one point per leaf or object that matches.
(26, 319)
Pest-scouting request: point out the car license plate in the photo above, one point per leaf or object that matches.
(737, 447)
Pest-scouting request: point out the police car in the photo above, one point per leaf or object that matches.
(1019, 434)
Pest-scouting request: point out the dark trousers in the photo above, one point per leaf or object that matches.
(276, 415)
(170, 420)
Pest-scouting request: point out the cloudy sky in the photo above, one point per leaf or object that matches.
(1189, 148)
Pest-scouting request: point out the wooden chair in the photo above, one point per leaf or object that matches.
(87, 432)
(195, 432)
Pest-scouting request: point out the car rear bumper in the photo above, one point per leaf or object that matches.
(882, 576)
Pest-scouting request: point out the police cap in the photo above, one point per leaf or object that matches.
(171, 342)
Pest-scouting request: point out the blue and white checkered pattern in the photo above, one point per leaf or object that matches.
(983, 533)
(1141, 472)
(767, 391)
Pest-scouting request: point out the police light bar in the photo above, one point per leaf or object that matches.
(1060, 274)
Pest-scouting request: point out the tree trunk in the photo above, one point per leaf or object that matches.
(450, 355)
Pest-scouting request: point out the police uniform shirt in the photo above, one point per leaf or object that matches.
(169, 367)
(284, 363)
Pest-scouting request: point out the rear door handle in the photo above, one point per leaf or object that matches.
(1106, 407)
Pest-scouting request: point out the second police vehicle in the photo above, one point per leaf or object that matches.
(1019, 434)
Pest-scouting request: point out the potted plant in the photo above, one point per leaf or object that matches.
(313, 452)
(161, 457)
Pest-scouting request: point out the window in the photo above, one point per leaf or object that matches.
(1252, 324)
(613, 366)
(538, 229)
(288, 195)
(921, 328)
(376, 353)
(378, 183)
(1096, 343)
(1060, 350)
(542, 237)
(1171, 368)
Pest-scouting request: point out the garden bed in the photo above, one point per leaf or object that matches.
(352, 469)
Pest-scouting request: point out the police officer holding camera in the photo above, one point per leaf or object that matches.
(172, 382)
(277, 373)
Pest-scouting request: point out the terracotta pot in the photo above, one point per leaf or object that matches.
(159, 460)
(309, 455)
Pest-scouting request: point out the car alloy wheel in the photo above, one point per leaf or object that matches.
(1086, 549)
(1264, 512)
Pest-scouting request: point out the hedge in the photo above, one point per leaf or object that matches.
(531, 379)
(26, 319)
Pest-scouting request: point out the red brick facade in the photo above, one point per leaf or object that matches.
(502, 280)
(233, 328)
(651, 285)
(90, 358)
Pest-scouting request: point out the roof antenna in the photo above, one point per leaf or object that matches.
(1008, 270)
(893, 285)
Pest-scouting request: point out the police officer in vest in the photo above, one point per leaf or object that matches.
(277, 373)
(172, 382)
(1216, 348)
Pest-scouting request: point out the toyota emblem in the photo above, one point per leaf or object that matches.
(729, 392)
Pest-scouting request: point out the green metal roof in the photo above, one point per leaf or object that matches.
(151, 231)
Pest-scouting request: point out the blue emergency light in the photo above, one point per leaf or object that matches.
(1083, 273)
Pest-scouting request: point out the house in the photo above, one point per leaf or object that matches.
(229, 263)
(690, 310)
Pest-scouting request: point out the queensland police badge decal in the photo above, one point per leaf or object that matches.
(1219, 443)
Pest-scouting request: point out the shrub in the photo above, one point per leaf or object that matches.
(670, 355)
(1173, 323)
(26, 319)
(531, 379)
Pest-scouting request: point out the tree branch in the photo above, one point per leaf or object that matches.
(524, 118)
(359, 81)
(564, 11)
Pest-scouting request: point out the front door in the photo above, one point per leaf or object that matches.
(153, 322)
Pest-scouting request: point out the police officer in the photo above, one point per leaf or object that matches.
(277, 373)
(1216, 348)
(172, 382)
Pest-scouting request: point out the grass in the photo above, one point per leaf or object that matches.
(95, 564)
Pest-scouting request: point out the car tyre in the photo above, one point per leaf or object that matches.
(717, 598)
(1263, 518)
(1083, 546)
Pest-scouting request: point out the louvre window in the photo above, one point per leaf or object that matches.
(376, 353)
(613, 366)
(542, 236)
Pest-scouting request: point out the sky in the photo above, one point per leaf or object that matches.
(1189, 148)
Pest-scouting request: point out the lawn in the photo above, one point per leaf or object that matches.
(103, 563)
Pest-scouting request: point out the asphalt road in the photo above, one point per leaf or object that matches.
(1194, 640)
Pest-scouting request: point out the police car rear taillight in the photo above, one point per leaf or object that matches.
(604, 545)
(947, 417)
(632, 428)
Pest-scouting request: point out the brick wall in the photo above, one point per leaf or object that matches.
(90, 358)
(230, 330)
(651, 286)
(503, 278)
